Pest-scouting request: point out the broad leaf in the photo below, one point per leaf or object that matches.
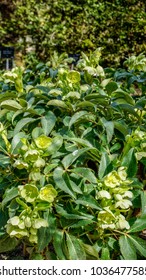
(70, 158)
(22, 123)
(8, 244)
(75, 248)
(45, 234)
(48, 122)
(139, 244)
(9, 195)
(58, 244)
(130, 162)
(61, 183)
(127, 248)
(139, 225)
(77, 116)
(85, 173)
(105, 254)
(105, 165)
(11, 105)
(88, 201)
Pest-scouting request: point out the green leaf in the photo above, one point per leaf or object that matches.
(7, 244)
(130, 162)
(58, 244)
(74, 215)
(56, 144)
(139, 224)
(104, 166)
(139, 244)
(105, 254)
(48, 122)
(61, 183)
(85, 173)
(16, 142)
(121, 127)
(58, 103)
(11, 105)
(75, 248)
(91, 252)
(70, 158)
(88, 201)
(120, 94)
(111, 87)
(127, 249)
(77, 116)
(45, 234)
(143, 203)
(23, 123)
(109, 126)
(9, 195)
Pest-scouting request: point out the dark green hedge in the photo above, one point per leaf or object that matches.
(118, 26)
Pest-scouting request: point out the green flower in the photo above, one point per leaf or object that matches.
(123, 204)
(103, 194)
(43, 142)
(106, 219)
(48, 193)
(38, 223)
(20, 164)
(73, 77)
(112, 180)
(28, 192)
(122, 223)
(31, 155)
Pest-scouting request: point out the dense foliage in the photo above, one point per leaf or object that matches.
(73, 159)
(74, 26)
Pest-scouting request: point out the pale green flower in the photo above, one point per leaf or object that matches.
(43, 142)
(29, 192)
(122, 173)
(48, 193)
(112, 180)
(31, 155)
(118, 197)
(128, 194)
(103, 194)
(14, 221)
(123, 204)
(122, 223)
(38, 223)
(20, 164)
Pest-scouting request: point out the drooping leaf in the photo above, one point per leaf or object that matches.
(45, 234)
(130, 162)
(23, 122)
(48, 122)
(61, 183)
(75, 248)
(88, 201)
(70, 158)
(139, 244)
(78, 116)
(85, 173)
(105, 165)
(58, 103)
(9, 195)
(127, 248)
(16, 141)
(105, 253)
(11, 105)
(58, 244)
(8, 244)
(139, 224)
